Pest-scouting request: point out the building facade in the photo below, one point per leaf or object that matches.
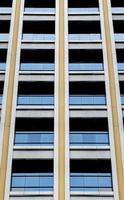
(61, 100)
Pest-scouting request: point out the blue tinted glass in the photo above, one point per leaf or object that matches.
(122, 99)
(18, 181)
(48, 138)
(119, 36)
(102, 138)
(117, 10)
(38, 36)
(32, 181)
(76, 181)
(35, 100)
(120, 66)
(5, 9)
(37, 66)
(76, 138)
(46, 10)
(84, 37)
(85, 66)
(34, 138)
(46, 181)
(105, 181)
(2, 66)
(21, 138)
(87, 100)
(89, 138)
(0, 100)
(4, 36)
(91, 182)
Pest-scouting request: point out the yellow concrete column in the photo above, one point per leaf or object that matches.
(8, 110)
(113, 95)
(61, 110)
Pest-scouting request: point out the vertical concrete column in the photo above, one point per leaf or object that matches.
(61, 101)
(113, 91)
(9, 85)
(61, 142)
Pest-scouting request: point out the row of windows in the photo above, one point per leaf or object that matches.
(85, 175)
(72, 37)
(51, 66)
(49, 100)
(34, 138)
(41, 131)
(73, 100)
(44, 182)
(70, 10)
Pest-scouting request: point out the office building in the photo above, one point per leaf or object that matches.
(61, 100)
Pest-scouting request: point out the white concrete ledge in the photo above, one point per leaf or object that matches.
(28, 17)
(3, 45)
(84, 17)
(95, 107)
(37, 45)
(36, 72)
(39, 13)
(31, 195)
(84, 45)
(88, 113)
(2, 76)
(35, 111)
(33, 152)
(86, 152)
(86, 72)
(92, 196)
(118, 16)
(119, 45)
(5, 16)
(86, 77)
(36, 77)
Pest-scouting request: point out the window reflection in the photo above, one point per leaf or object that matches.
(2, 66)
(89, 138)
(117, 10)
(119, 36)
(86, 66)
(4, 36)
(120, 66)
(34, 138)
(87, 100)
(35, 100)
(5, 9)
(91, 182)
(32, 182)
(37, 66)
(0, 99)
(40, 10)
(38, 37)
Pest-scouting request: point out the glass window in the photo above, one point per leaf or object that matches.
(35, 100)
(86, 66)
(37, 66)
(87, 100)
(32, 181)
(89, 138)
(34, 138)
(91, 182)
